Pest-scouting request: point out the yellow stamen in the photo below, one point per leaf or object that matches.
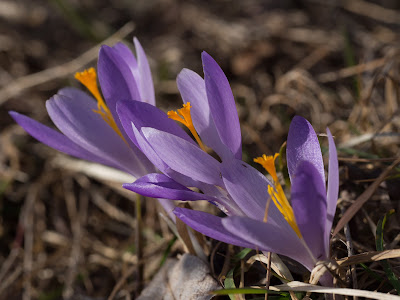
(183, 116)
(277, 194)
(88, 79)
(268, 162)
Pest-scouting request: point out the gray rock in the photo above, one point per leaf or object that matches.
(185, 279)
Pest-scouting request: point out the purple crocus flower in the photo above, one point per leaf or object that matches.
(210, 114)
(301, 230)
(91, 130)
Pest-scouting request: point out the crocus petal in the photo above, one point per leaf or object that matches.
(142, 114)
(56, 140)
(134, 115)
(149, 152)
(76, 119)
(308, 195)
(157, 185)
(193, 90)
(222, 105)
(85, 98)
(333, 186)
(184, 157)
(146, 148)
(144, 80)
(210, 225)
(127, 56)
(72, 93)
(303, 145)
(269, 237)
(249, 189)
(140, 70)
(116, 79)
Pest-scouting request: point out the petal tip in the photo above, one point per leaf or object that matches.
(105, 51)
(103, 48)
(179, 212)
(13, 114)
(207, 58)
(127, 186)
(299, 119)
(183, 72)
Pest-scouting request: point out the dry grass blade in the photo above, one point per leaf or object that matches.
(366, 160)
(268, 276)
(8, 262)
(10, 279)
(111, 210)
(28, 222)
(297, 286)
(184, 236)
(351, 71)
(122, 281)
(368, 256)
(277, 264)
(93, 170)
(63, 70)
(373, 11)
(76, 221)
(139, 240)
(56, 239)
(355, 207)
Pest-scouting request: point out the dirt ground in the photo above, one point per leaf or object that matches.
(67, 234)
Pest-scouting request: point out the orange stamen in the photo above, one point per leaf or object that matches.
(89, 79)
(277, 194)
(183, 116)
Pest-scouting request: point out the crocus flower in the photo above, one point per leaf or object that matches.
(89, 125)
(210, 114)
(300, 230)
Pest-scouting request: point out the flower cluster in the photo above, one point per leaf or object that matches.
(121, 127)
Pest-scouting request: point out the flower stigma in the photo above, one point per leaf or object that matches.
(277, 194)
(88, 79)
(183, 116)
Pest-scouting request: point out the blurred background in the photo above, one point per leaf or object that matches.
(65, 233)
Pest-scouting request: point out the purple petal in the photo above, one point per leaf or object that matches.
(326, 280)
(303, 145)
(222, 105)
(83, 97)
(269, 237)
(72, 93)
(142, 114)
(211, 226)
(127, 56)
(134, 115)
(76, 119)
(184, 157)
(249, 189)
(149, 152)
(193, 90)
(309, 207)
(157, 185)
(144, 80)
(140, 70)
(56, 140)
(225, 202)
(116, 79)
(333, 186)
